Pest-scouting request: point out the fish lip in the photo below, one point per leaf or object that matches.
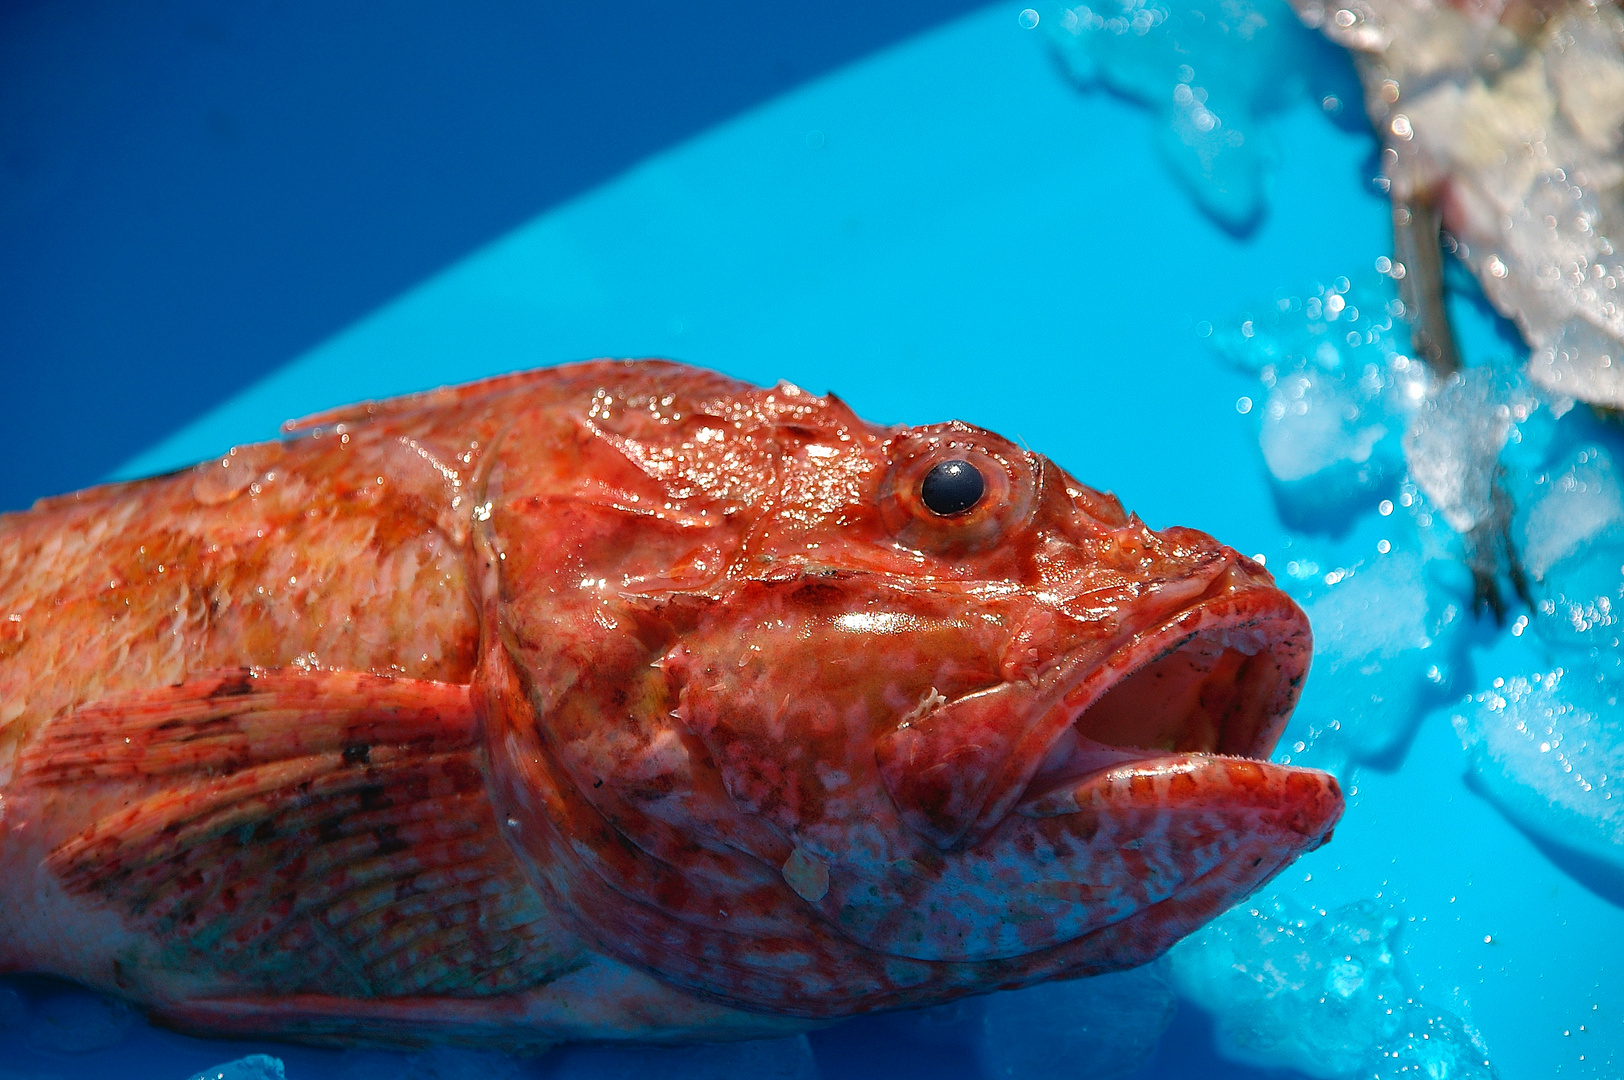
(1237, 609)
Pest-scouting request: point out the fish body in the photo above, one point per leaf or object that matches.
(624, 701)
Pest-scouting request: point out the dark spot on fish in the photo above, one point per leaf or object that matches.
(236, 686)
(1257, 862)
(598, 782)
(373, 797)
(815, 593)
(327, 829)
(357, 754)
(388, 842)
(463, 775)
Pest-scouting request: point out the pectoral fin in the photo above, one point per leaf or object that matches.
(293, 832)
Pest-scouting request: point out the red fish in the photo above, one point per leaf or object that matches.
(624, 701)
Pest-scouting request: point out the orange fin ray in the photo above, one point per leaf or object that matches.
(298, 832)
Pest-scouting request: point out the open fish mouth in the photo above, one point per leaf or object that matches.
(1205, 674)
(1122, 796)
(1218, 678)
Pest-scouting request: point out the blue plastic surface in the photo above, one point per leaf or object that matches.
(950, 230)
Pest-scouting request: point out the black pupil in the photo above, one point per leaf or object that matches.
(952, 487)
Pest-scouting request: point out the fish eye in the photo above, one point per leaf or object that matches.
(952, 487)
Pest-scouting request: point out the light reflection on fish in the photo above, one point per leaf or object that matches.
(624, 701)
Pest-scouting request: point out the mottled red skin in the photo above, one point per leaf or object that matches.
(748, 717)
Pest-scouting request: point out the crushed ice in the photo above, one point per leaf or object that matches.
(1407, 494)
(1521, 120)
(1338, 389)
(252, 1067)
(1323, 993)
(1213, 71)
(1548, 749)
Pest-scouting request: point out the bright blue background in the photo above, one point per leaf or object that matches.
(948, 229)
(193, 191)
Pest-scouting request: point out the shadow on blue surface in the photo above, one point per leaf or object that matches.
(80, 1035)
(1189, 1049)
(1598, 877)
(876, 1046)
(193, 193)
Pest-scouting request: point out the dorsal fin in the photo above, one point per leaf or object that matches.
(300, 832)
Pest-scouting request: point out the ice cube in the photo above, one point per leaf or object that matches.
(1289, 988)
(1210, 71)
(767, 1059)
(1540, 230)
(1553, 268)
(1575, 507)
(1548, 750)
(1573, 548)
(1387, 640)
(252, 1067)
(1453, 443)
(1434, 1044)
(1099, 1027)
(1338, 391)
(1578, 361)
(1325, 441)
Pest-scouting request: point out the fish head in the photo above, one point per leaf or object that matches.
(903, 714)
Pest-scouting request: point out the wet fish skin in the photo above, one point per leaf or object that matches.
(623, 700)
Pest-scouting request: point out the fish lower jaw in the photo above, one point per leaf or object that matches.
(1299, 807)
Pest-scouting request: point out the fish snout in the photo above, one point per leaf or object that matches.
(1208, 668)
